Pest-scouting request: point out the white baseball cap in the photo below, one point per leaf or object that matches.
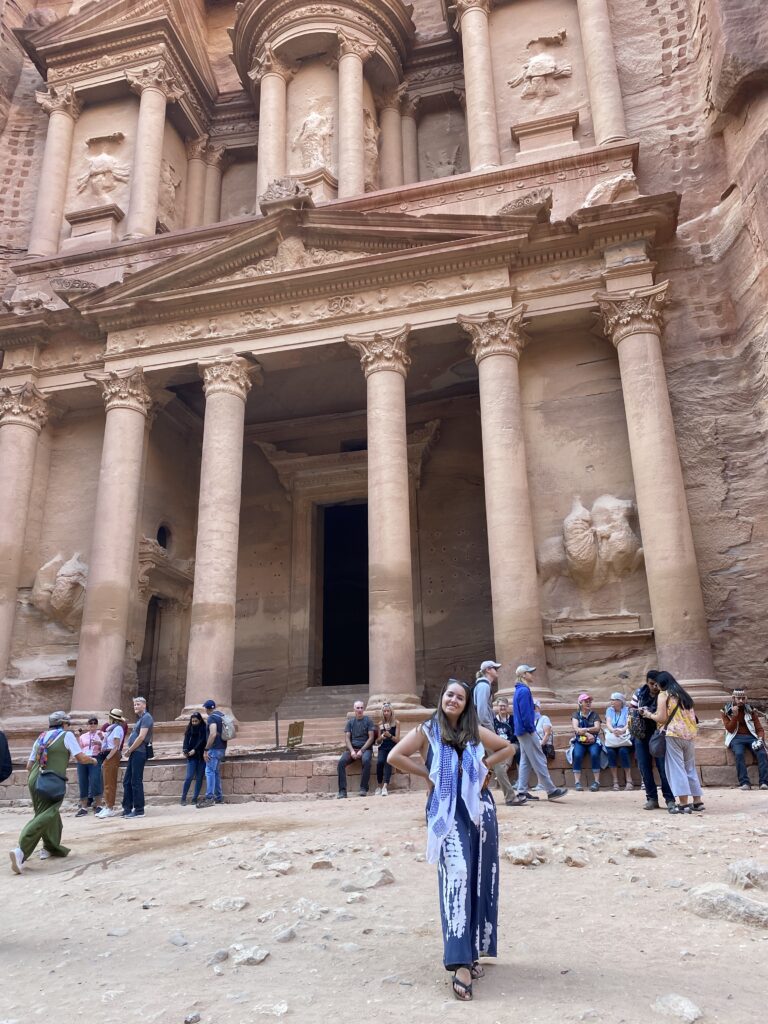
(524, 668)
(489, 664)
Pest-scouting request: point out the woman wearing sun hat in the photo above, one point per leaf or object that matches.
(111, 752)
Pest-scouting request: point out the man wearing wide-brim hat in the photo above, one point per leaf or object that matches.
(111, 753)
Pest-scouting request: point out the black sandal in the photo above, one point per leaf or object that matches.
(698, 807)
(461, 990)
(676, 809)
(477, 970)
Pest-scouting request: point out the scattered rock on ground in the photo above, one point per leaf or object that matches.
(321, 864)
(640, 850)
(370, 880)
(271, 1009)
(192, 1018)
(576, 859)
(280, 867)
(679, 1007)
(177, 939)
(285, 934)
(217, 957)
(118, 933)
(247, 956)
(221, 841)
(225, 904)
(526, 853)
(748, 874)
(717, 900)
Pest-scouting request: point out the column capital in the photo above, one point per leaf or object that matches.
(354, 44)
(24, 407)
(157, 77)
(391, 98)
(637, 311)
(271, 64)
(196, 148)
(228, 375)
(410, 105)
(463, 6)
(498, 333)
(216, 156)
(382, 350)
(62, 98)
(123, 389)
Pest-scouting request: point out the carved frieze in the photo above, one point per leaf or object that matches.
(638, 311)
(60, 98)
(382, 350)
(123, 389)
(537, 198)
(24, 407)
(107, 60)
(228, 375)
(496, 333)
(292, 254)
(539, 73)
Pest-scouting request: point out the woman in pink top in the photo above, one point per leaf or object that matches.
(89, 775)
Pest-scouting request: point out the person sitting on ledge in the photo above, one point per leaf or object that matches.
(359, 733)
(586, 737)
(744, 731)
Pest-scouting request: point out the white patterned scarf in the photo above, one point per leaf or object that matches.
(443, 773)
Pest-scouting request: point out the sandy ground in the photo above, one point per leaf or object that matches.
(595, 943)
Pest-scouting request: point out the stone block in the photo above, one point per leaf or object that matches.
(248, 769)
(267, 785)
(243, 786)
(298, 784)
(711, 756)
(327, 766)
(321, 784)
(716, 776)
(304, 768)
(278, 769)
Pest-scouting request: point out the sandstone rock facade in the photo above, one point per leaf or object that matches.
(497, 273)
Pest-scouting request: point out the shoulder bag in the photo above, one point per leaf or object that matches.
(657, 745)
(49, 785)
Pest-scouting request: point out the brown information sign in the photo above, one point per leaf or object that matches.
(295, 735)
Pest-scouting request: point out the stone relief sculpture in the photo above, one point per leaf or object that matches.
(313, 140)
(371, 134)
(537, 198)
(597, 545)
(620, 186)
(104, 174)
(59, 589)
(444, 163)
(292, 254)
(169, 186)
(539, 72)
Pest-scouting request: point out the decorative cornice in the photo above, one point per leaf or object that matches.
(349, 44)
(229, 375)
(196, 148)
(638, 311)
(271, 64)
(123, 389)
(498, 333)
(157, 77)
(382, 350)
(60, 98)
(23, 407)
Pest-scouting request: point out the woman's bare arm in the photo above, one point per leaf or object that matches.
(401, 755)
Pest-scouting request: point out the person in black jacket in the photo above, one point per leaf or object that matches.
(194, 745)
(5, 759)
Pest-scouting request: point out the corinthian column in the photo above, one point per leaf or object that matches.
(392, 649)
(602, 75)
(226, 383)
(215, 158)
(482, 131)
(391, 160)
(156, 89)
(353, 53)
(196, 168)
(410, 130)
(23, 414)
(274, 75)
(633, 322)
(63, 108)
(101, 655)
(498, 339)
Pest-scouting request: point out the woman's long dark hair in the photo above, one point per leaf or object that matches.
(667, 682)
(467, 728)
(195, 733)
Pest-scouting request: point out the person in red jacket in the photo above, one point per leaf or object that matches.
(744, 731)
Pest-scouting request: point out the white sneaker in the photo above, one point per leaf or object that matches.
(106, 812)
(378, 791)
(45, 854)
(384, 791)
(17, 860)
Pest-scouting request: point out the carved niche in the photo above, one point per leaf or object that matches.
(104, 173)
(59, 589)
(169, 187)
(313, 140)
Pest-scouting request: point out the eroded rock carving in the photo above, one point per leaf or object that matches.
(59, 589)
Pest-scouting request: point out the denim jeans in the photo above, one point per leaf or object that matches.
(213, 775)
(133, 781)
(619, 755)
(365, 773)
(89, 780)
(196, 771)
(645, 764)
(740, 744)
(580, 749)
(384, 770)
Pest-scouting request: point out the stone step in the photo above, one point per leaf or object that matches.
(321, 702)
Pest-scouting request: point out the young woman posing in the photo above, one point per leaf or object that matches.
(462, 833)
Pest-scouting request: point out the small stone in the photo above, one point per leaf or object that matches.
(640, 850)
(716, 900)
(611, 860)
(271, 1009)
(673, 1005)
(321, 864)
(280, 867)
(350, 947)
(245, 865)
(285, 934)
(118, 933)
(147, 905)
(373, 879)
(384, 851)
(247, 956)
(419, 858)
(576, 859)
(227, 904)
(266, 916)
(192, 1018)
(748, 874)
(356, 897)
(177, 939)
(218, 970)
(221, 841)
(674, 883)
(525, 854)
(217, 957)
(589, 1014)
(409, 847)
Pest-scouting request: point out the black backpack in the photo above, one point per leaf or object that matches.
(6, 767)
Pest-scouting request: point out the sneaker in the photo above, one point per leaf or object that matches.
(45, 854)
(134, 814)
(106, 812)
(557, 793)
(616, 787)
(363, 792)
(688, 809)
(594, 787)
(764, 785)
(629, 788)
(530, 796)
(126, 814)
(82, 812)
(17, 860)
(207, 802)
(378, 791)
(182, 803)
(745, 786)
(342, 795)
(384, 791)
(579, 788)
(651, 805)
(670, 803)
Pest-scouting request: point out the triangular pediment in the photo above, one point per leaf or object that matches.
(290, 248)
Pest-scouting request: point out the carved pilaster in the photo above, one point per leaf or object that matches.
(499, 332)
(196, 148)
(123, 389)
(354, 44)
(157, 77)
(382, 350)
(60, 98)
(24, 407)
(229, 375)
(638, 311)
(271, 64)
(462, 6)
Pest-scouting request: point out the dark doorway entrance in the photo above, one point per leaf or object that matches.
(147, 670)
(345, 595)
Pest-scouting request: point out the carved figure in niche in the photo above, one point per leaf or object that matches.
(169, 186)
(620, 186)
(59, 589)
(597, 545)
(104, 173)
(444, 163)
(538, 73)
(371, 143)
(313, 140)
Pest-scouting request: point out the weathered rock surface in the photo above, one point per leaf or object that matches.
(748, 874)
(717, 900)
(679, 1007)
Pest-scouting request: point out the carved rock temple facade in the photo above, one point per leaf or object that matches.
(358, 341)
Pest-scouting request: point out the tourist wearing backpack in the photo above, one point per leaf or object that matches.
(219, 727)
(6, 767)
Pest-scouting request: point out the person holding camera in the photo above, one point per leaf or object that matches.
(744, 731)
